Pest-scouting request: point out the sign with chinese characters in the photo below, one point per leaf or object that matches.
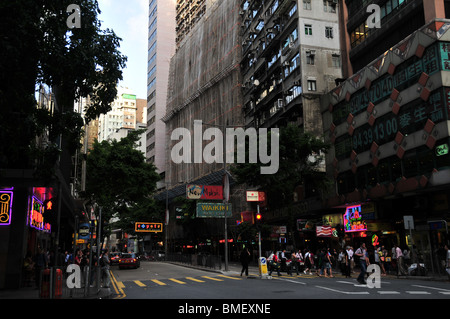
(353, 221)
(144, 227)
(213, 210)
(255, 196)
(6, 200)
(204, 192)
(36, 214)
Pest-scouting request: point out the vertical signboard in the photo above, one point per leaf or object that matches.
(6, 200)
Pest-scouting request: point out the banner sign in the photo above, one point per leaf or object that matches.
(204, 191)
(213, 210)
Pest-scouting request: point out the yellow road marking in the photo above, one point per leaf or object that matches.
(193, 279)
(211, 278)
(139, 283)
(235, 278)
(177, 281)
(117, 287)
(158, 282)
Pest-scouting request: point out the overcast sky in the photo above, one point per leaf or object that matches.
(129, 21)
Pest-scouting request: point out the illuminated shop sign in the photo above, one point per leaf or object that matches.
(145, 227)
(353, 221)
(6, 200)
(36, 216)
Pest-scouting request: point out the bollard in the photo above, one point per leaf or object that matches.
(45, 284)
(58, 283)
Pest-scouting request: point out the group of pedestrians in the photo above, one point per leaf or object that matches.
(326, 260)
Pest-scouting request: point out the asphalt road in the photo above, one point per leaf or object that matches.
(155, 280)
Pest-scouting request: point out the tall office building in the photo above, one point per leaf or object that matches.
(161, 47)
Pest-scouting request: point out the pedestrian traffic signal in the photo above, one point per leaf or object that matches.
(49, 214)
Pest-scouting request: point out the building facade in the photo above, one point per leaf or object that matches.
(388, 124)
(291, 56)
(161, 47)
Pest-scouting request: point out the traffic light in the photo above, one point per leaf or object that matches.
(258, 217)
(49, 211)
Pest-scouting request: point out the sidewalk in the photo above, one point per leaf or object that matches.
(33, 293)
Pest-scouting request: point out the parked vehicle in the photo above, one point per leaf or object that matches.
(129, 260)
(114, 258)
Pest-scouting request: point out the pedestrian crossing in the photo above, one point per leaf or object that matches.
(178, 281)
(201, 279)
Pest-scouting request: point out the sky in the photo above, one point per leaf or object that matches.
(129, 20)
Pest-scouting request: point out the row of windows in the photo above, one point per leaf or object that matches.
(328, 6)
(362, 32)
(151, 60)
(152, 25)
(416, 162)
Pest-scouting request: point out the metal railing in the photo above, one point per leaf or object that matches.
(204, 260)
(54, 283)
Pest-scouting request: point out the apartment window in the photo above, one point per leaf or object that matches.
(312, 85)
(329, 6)
(293, 9)
(329, 32)
(310, 58)
(307, 4)
(336, 60)
(308, 29)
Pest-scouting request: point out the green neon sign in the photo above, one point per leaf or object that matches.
(442, 150)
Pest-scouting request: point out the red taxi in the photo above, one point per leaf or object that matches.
(129, 260)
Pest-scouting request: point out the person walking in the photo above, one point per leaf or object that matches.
(245, 256)
(347, 260)
(309, 261)
(105, 264)
(400, 261)
(361, 252)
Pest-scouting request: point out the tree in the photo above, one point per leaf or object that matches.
(300, 158)
(38, 47)
(121, 182)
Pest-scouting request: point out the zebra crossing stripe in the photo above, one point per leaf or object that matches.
(139, 283)
(235, 278)
(177, 281)
(159, 282)
(211, 278)
(193, 279)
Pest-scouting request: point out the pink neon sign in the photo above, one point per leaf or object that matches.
(353, 220)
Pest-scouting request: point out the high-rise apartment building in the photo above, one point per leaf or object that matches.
(161, 47)
(291, 56)
(188, 13)
(121, 116)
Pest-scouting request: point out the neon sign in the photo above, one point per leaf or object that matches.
(6, 200)
(36, 214)
(353, 219)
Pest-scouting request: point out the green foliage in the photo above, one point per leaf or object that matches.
(299, 162)
(120, 181)
(39, 48)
